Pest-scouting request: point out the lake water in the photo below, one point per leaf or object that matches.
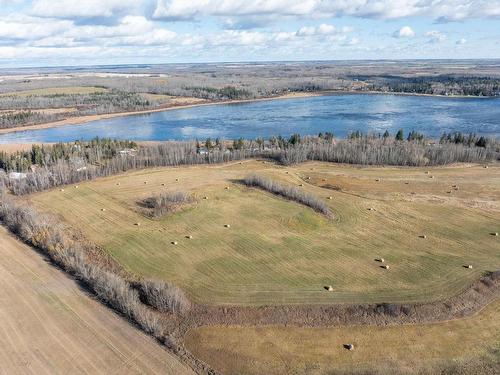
(340, 114)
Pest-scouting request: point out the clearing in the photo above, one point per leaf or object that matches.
(280, 252)
(51, 326)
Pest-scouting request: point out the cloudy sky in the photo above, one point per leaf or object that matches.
(83, 32)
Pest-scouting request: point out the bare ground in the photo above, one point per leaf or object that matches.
(50, 326)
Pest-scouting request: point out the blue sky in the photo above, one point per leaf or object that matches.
(86, 32)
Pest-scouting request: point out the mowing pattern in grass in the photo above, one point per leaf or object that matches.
(278, 251)
(470, 345)
(289, 192)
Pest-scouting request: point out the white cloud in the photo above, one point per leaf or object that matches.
(82, 8)
(404, 32)
(320, 30)
(29, 28)
(447, 10)
(435, 36)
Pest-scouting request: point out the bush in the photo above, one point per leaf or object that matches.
(289, 192)
(163, 203)
(164, 296)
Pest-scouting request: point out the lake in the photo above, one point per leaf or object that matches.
(340, 114)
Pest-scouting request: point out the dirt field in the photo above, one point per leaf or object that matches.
(277, 251)
(50, 326)
(465, 346)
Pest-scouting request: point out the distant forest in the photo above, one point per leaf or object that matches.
(29, 101)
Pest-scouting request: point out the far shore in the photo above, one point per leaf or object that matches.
(80, 120)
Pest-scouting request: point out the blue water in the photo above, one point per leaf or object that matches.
(340, 114)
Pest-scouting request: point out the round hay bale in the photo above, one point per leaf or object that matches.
(350, 347)
(486, 167)
(301, 184)
(423, 236)
(329, 288)
(189, 237)
(138, 224)
(381, 260)
(377, 179)
(330, 197)
(227, 225)
(431, 176)
(308, 178)
(205, 197)
(76, 186)
(176, 180)
(494, 234)
(385, 266)
(174, 242)
(469, 266)
(227, 188)
(103, 209)
(61, 190)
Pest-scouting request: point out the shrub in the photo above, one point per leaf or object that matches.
(289, 192)
(163, 203)
(164, 296)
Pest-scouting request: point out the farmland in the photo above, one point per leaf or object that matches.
(51, 326)
(463, 346)
(280, 252)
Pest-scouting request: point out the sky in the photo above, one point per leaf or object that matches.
(92, 32)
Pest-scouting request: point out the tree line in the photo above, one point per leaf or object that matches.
(63, 164)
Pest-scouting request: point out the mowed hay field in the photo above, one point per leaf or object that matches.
(49, 325)
(278, 251)
(464, 346)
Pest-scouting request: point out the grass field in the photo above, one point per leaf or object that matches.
(49, 325)
(277, 251)
(57, 91)
(465, 346)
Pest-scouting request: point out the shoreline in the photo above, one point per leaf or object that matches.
(81, 120)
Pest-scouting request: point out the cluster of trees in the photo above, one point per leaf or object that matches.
(375, 151)
(26, 110)
(470, 139)
(438, 85)
(16, 118)
(163, 203)
(289, 192)
(63, 164)
(78, 154)
(163, 296)
(224, 93)
(94, 160)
